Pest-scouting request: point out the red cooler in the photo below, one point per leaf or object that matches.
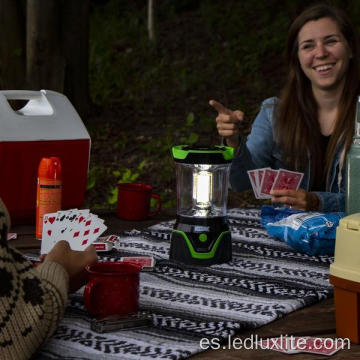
(48, 125)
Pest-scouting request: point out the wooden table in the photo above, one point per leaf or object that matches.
(317, 320)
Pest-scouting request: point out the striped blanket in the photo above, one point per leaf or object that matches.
(265, 281)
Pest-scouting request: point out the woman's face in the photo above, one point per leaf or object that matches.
(323, 54)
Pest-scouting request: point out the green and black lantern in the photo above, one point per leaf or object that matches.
(201, 235)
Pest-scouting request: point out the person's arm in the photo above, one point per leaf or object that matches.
(32, 300)
(255, 151)
(330, 202)
(31, 303)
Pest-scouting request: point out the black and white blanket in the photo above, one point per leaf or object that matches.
(265, 281)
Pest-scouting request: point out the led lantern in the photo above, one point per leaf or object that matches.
(201, 234)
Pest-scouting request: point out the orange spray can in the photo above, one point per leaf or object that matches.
(48, 194)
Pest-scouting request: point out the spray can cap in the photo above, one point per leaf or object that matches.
(50, 168)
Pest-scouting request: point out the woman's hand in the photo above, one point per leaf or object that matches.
(74, 262)
(227, 123)
(296, 199)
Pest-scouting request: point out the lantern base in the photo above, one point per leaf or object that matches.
(201, 241)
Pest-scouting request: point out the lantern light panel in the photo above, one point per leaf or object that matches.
(202, 189)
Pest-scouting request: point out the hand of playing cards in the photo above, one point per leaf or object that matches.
(266, 179)
(79, 228)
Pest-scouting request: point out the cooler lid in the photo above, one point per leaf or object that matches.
(350, 222)
(48, 115)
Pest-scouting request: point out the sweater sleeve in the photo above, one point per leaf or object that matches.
(32, 302)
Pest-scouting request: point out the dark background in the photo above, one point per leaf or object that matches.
(139, 96)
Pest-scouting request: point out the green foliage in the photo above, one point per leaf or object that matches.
(190, 138)
(93, 175)
(190, 119)
(231, 51)
(124, 176)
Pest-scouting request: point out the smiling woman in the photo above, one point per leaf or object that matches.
(324, 55)
(309, 129)
(318, 103)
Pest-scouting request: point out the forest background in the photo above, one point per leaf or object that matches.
(140, 91)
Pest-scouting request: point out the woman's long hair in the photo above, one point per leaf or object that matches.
(297, 127)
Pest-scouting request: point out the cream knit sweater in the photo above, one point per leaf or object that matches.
(32, 300)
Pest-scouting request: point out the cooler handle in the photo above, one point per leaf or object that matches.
(38, 103)
(23, 95)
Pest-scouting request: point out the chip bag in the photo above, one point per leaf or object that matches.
(312, 233)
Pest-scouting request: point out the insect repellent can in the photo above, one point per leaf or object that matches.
(49, 188)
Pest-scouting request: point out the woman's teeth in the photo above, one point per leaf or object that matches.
(323, 67)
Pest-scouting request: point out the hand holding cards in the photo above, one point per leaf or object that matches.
(79, 228)
(266, 179)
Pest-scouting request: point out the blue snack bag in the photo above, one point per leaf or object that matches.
(312, 233)
(273, 214)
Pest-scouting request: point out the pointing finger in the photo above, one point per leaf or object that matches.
(220, 108)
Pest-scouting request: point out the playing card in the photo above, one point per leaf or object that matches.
(147, 262)
(260, 174)
(110, 238)
(48, 240)
(295, 344)
(321, 346)
(267, 181)
(79, 227)
(286, 179)
(11, 236)
(114, 240)
(64, 221)
(73, 219)
(85, 231)
(256, 177)
(253, 180)
(282, 344)
(54, 225)
(102, 246)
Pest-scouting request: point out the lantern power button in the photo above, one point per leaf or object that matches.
(203, 237)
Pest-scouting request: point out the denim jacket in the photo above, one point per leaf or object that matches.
(260, 150)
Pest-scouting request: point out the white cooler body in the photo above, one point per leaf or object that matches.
(48, 125)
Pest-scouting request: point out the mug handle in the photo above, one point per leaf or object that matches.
(157, 198)
(89, 289)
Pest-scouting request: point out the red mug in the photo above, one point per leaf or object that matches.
(134, 201)
(112, 289)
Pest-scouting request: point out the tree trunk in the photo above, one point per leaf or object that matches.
(76, 51)
(151, 31)
(45, 64)
(57, 48)
(50, 51)
(12, 45)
